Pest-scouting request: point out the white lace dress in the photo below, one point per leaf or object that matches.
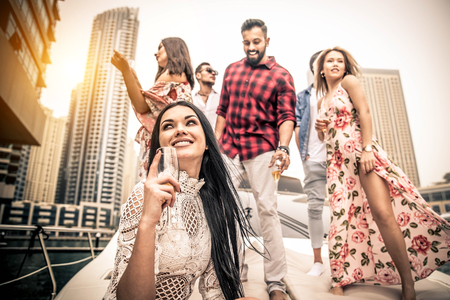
(181, 256)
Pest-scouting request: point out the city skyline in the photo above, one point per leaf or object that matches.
(93, 164)
(380, 34)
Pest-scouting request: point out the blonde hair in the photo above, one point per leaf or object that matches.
(351, 68)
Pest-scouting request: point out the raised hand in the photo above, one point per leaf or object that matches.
(120, 62)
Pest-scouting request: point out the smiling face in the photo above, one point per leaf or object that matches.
(334, 65)
(255, 45)
(181, 128)
(161, 56)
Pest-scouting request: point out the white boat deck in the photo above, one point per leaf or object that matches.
(91, 282)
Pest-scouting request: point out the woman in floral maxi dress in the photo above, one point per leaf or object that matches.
(381, 231)
(174, 82)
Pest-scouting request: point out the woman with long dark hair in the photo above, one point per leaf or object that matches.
(173, 82)
(382, 231)
(146, 267)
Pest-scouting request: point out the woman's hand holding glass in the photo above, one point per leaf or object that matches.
(321, 124)
(159, 192)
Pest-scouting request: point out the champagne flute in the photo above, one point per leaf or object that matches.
(324, 117)
(276, 174)
(168, 165)
(175, 236)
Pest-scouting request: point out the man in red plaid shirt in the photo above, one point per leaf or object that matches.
(254, 126)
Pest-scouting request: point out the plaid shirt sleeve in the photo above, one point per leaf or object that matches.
(224, 97)
(286, 99)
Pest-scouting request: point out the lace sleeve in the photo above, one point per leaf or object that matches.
(209, 286)
(129, 220)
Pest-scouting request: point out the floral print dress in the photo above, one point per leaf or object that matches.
(356, 248)
(157, 97)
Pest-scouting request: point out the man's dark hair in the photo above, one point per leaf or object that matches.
(199, 68)
(313, 59)
(250, 23)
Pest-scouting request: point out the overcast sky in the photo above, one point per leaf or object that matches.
(412, 36)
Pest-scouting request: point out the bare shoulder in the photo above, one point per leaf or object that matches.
(172, 77)
(350, 82)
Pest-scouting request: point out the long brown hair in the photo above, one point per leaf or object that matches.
(178, 59)
(351, 68)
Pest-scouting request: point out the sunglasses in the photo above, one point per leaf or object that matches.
(211, 71)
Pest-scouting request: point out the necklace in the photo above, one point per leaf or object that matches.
(203, 95)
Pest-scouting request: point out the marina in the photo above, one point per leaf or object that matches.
(37, 265)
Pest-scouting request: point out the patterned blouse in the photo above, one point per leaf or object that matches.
(157, 97)
(182, 246)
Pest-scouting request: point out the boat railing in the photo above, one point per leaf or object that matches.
(40, 232)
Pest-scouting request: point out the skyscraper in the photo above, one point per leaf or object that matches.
(93, 162)
(44, 160)
(27, 30)
(130, 174)
(62, 172)
(384, 93)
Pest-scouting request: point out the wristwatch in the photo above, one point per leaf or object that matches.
(284, 148)
(368, 148)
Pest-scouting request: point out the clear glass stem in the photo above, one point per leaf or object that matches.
(169, 222)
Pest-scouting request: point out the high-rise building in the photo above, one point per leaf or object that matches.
(44, 160)
(98, 119)
(384, 93)
(27, 29)
(130, 173)
(62, 172)
(22, 172)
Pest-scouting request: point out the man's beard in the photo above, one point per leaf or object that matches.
(257, 60)
(208, 83)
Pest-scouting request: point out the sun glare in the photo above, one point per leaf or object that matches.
(73, 71)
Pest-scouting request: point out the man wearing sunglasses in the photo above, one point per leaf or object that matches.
(207, 99)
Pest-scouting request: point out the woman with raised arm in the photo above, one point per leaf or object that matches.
(173, 82)
(149, 263)
(381, 231)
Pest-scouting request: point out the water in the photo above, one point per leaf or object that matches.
(39, 285)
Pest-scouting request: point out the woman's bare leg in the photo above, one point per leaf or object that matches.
(377, 192)
(317, 255)
(337, 291)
